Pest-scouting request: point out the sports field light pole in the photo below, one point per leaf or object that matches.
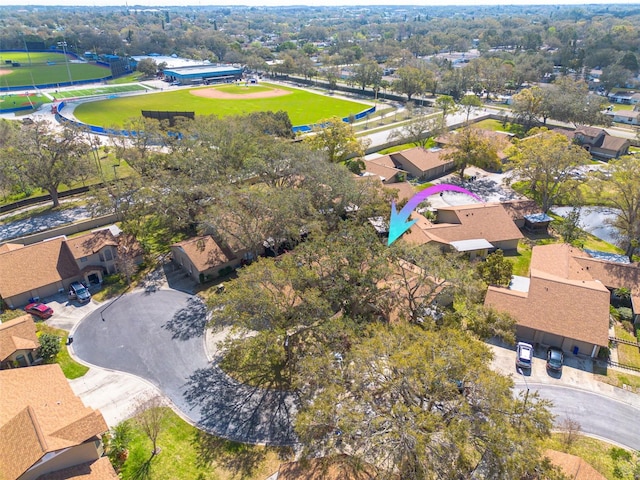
(63, 44)
(24, 41)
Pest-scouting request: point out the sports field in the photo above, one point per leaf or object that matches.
(105, 90)
(302, 106)
(45, 68)
(10, 101)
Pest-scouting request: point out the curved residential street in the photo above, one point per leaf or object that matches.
(598, 415)
(159, 336)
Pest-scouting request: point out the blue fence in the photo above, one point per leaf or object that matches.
(310, 128)
(17, 109)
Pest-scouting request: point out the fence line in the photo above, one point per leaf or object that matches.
(622, 365)
(626, 342)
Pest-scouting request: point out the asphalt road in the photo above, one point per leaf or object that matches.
(159, 336)
(598, 415)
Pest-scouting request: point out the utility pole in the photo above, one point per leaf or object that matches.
(526, 394)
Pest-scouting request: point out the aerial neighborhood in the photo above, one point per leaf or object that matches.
(319, 242)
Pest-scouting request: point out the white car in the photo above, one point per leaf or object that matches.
(524, 355)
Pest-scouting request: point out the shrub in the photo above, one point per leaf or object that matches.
(604, 353)
(49, 346)
(613, 311)
(626, 315)
(617, 453)
(117, 442)
(112, 279)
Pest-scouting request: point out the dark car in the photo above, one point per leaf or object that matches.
(555, 357)
(524, 355)
(39, 310)
(77, 291)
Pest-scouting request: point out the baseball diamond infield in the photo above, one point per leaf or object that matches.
(303, 107)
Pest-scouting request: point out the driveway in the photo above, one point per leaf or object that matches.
(159, 336)
(601, 409)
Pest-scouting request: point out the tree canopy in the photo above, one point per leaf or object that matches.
(619, 186)
(470, 147)
(39, 156)
(545, 161)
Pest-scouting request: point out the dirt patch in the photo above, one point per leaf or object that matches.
(5, 71)
(215, 93)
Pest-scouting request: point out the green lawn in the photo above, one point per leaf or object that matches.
(107, 173)
(521, 260)
(405, 146)
(186, 453)
(604, 457)
(50, 74)
(69, 366)
(627, 354)
(498, 126)
(303, 107)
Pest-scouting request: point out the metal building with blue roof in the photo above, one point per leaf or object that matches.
(203, 74)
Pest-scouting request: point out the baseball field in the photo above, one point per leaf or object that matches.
(44, 68)
(303, 107)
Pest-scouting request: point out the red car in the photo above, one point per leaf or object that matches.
(39, 310)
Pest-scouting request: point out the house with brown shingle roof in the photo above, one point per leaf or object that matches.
(404, 190)
(45, 427)
(425, 164)
(597, 141)
(572, 466)
(18, 343)
(36, 271)
(203, 258)
(46, 268)
(383, 171)
(560, 305)
(475, 229)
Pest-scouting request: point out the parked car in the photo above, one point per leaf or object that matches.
(77, 291)
(524, 355)
(39, 310)
(555, 358)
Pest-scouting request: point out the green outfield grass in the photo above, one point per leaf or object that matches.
(33, 57)
(39, 73)
(105, 90)
(302, 106)
(14, 100)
